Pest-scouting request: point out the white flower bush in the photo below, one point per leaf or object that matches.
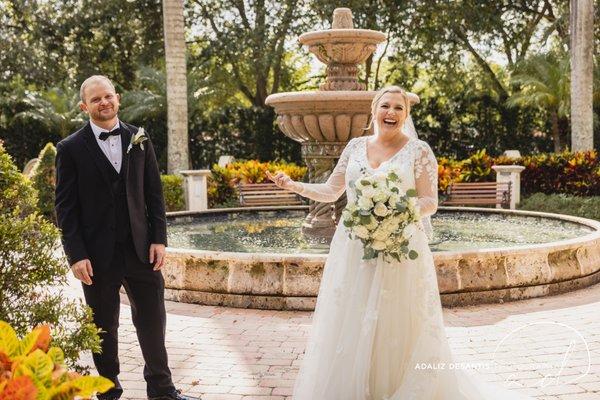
(382, 217)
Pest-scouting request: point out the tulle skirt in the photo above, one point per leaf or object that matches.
(378, 332)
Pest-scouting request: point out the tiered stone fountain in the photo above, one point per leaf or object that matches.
(325, 120)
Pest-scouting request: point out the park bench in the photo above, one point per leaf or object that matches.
(478, 194)
(266, 194)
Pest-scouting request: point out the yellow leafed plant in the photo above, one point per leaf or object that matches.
(32, 370)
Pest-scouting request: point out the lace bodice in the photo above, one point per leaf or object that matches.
(415, 160)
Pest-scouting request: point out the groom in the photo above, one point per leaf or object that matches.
(111, 212)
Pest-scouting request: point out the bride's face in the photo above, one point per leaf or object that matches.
(391, 112)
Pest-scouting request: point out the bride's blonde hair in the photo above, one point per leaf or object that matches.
(379, 95)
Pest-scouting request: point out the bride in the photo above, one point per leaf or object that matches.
(377, 329)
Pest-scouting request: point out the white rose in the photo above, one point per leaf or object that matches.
(381, 210)
(365, 203)
(381, 196)
(361, 232)
(369, 192)
(378, 245)
(394, 198)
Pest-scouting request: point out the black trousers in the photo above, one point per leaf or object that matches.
(145, 289)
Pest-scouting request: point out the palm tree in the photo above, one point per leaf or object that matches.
(174, 33)
(544, 82)
(56, 109)
(582, 74)
(150, 100)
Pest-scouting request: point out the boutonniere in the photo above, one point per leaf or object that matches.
(138, 139)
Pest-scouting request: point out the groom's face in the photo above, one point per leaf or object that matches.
(100, 101)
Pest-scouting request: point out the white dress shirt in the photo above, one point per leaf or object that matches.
(111, 147)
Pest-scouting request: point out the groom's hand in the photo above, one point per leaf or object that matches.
(83, 271)
(157, 255)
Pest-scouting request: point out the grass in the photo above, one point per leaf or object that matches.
(586, 207)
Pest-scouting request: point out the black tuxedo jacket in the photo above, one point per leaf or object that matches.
(85, 204)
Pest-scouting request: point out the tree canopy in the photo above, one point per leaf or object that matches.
(463, 58)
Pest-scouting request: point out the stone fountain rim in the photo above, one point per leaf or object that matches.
(327, 96)
(438, 255)
(342, 35)
(333, 95)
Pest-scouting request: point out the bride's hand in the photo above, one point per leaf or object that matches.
(282, 180)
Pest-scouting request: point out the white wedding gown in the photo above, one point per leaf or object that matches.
(375, 321)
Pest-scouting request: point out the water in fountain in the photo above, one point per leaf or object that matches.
(278, 232)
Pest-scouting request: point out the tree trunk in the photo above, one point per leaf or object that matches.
(582, 66)
(556, 132)
(177, 112)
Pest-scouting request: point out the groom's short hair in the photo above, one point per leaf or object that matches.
(93, 79)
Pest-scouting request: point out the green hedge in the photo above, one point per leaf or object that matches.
(31, 274)
(569, 173)
(223, 180)
(586, 207)
(43, 178)
(173, 192)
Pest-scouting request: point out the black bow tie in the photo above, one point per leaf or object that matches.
(114, 132)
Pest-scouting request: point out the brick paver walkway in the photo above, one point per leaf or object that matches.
(546, 347)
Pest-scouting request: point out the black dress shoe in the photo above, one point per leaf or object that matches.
(176, 395)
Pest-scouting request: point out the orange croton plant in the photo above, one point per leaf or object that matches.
(32, 370)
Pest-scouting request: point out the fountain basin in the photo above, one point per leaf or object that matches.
(335, 116)
(342, 46)
(277, 280)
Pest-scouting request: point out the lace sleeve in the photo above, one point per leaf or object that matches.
(426, 179)
(335, 185)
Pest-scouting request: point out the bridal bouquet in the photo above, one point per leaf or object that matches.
(383, 216)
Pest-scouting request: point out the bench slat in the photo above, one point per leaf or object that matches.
(266, 194)
(478, 193)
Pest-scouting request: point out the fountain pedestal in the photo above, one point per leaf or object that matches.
(324, 121)
(321, 221)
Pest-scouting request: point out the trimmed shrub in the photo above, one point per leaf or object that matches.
(222, 192)
(31, 273)
(569, 173)
(173, 192)
(31, 369)
(586, 207)
(43, 178)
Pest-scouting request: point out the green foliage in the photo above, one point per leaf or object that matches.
(31, 274)
(221, 191)
(246, 133)
(173, 192)
(544, 82)
(446, 52)
(31, 369)
(43, 178)
(223, 181)
(23, 137)
(256, 66)
(476, 168)
(550, 173)
(568, 173)
(586, 207)
(56, 109)
(43, 40)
